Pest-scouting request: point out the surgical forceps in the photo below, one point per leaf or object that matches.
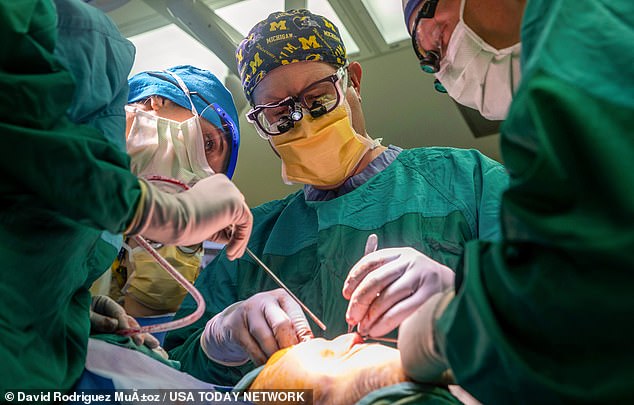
(281, 284)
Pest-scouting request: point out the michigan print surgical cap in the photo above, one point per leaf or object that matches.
(287, 37)
(203, 82)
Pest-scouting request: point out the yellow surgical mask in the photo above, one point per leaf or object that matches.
(152, 286)
(321, 151)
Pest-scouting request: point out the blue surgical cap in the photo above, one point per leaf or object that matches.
(408, 9)
(222, 109)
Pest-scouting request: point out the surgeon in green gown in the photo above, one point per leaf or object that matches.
(67, 189)
(544, 316)
(305, 99)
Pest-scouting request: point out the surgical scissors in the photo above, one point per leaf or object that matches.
(281, 284)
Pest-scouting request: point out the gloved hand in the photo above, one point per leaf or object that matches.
(255, 328)
(223, 236)
(203, 212)
(386, 286)
(421, 357)
(106, 316)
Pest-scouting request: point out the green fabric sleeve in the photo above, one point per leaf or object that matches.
(70, 168)
(489, 185)
(128, 343)
(541, 317)
(409, 393)
(62, 185)
(463, 179)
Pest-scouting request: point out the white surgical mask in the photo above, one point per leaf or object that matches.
(163, 147)
(477, 75)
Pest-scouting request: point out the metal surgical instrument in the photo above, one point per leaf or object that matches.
(370, 246)
(281, 284)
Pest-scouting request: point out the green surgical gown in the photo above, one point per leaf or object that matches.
(546, 315)
(433, 199)
(63, 184)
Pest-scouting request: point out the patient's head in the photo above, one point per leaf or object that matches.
(339, 371)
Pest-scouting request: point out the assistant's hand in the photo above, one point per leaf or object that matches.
(206, 211)
(106, 316)
(421, 357)
(255, 328)
(386, 286)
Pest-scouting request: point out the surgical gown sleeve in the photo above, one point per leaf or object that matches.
(546, 315)
(62, 184)
(72, 169)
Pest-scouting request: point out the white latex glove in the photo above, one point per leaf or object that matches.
(386, 286)
(255, 328)
(422, 360)
(203, 212)
(106, 316)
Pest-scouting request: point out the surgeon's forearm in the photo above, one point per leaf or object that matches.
(67, 168)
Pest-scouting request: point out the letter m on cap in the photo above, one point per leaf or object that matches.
(278, 25)
(256, 62)
(310, 42)
(327, 24)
